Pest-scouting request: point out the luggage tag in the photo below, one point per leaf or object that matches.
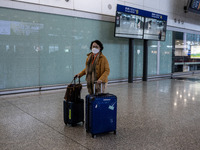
(111, 107)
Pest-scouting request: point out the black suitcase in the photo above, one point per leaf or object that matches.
(73, 112)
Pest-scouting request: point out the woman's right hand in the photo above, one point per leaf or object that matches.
(77, 76)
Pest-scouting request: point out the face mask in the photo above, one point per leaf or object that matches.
(95, 50)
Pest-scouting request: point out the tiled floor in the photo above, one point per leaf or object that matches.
(153, 115)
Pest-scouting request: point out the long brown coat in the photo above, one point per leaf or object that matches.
(102, 68)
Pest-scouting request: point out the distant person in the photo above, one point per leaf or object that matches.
(149, 24)
(96, 68)
(138, 24)
(160, 35)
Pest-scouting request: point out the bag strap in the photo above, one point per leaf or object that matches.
(74, 79)
(79, 80)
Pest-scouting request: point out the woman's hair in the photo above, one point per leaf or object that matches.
(98, 43)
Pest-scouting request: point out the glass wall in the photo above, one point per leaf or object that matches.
(39, 49)
(186, 52)
(152, 57)
(138, 58)
(179, 51)
(159, 57)
(193, 47)
(165, 65)
(19, 41)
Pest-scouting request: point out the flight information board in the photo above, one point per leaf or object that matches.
(194, 6)
(136, 23)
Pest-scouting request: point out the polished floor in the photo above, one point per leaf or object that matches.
(153, 115)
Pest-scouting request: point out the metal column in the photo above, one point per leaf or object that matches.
(173, 53)
(130, 66)
(145, 61)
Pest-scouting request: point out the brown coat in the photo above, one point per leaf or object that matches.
(102, 68)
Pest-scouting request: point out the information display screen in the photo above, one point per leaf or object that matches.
(135, 23)
(193, 6)
(129, 25)
(155, 29)
(195, 52)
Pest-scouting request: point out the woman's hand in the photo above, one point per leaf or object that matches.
(99, 81)
(77, 76)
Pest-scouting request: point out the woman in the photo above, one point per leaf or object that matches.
(97, 68)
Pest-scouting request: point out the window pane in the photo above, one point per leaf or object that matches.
(138, 58)
(19, 47)
(152, 57)
(166, 54)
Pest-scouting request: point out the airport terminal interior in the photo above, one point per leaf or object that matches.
(153, 51)
(160, 114)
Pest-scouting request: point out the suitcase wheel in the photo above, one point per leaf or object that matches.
(115, 132)
(73, 124)
(94, 136)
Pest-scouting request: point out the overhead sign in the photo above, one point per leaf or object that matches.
(144, 13)
(140, 24)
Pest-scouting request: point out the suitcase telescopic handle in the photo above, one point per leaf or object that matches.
(94, 86)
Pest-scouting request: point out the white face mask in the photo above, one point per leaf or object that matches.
(95, 50)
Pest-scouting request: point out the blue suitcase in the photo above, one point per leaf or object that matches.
(101, 113)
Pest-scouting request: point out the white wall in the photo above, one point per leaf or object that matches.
(172, 8)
